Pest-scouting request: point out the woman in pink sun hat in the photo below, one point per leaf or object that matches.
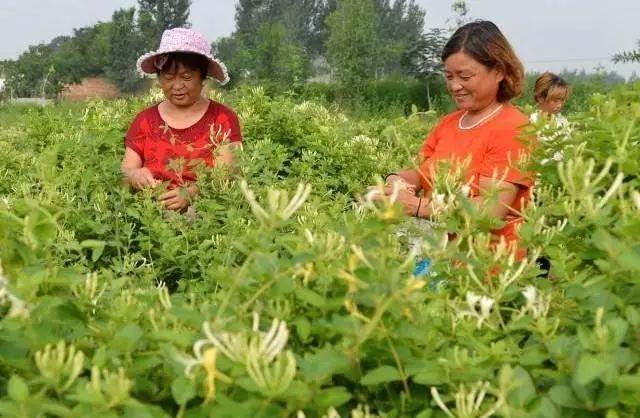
(167, 141)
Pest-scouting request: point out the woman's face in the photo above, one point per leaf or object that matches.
(554, 102)
(181, 85)
(472, 85)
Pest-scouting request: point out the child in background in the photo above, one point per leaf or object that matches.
(551, 93)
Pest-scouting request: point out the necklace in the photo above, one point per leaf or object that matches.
(484, 119)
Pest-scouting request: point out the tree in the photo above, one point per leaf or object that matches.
(628, 56)
(300, 18)
(155, 16)
(353, 45)
(84, 54)
(127, 45)
(31, 73)
(422, 59)
(400, 27)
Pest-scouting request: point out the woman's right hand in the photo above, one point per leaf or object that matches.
(141, 178)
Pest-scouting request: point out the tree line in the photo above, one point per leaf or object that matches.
(282, 43)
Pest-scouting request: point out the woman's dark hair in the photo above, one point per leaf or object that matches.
(483, 41)
(194, 62)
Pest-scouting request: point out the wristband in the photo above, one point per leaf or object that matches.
(418, 210)
(389, 175)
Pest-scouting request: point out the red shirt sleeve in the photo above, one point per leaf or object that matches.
(505, 151)
(229, 124)
(135, 136)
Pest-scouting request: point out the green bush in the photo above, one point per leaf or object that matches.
(301, 300)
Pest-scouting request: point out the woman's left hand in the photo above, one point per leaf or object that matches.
(406, 197)
(177, 199)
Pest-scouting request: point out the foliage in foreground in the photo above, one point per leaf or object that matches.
(299, 300)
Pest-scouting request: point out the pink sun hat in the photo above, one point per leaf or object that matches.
(183, 40)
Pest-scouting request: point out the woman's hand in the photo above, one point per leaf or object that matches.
(406, 196)
(141, 178)
(179, 198)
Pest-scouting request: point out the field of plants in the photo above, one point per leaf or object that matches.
(291, 295)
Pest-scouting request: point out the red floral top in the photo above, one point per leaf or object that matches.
(172, 154)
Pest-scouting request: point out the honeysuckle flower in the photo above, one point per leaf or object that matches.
(18, 308)
(535, 303)
(468, 402)
(60, 365)
(617, 182)
(115, 387)
(205, 357)
(636, 199)
(381, 203)
(279, 207)
(262, 354)
(163, 295)
(558, 156)
(472, 300)
(479, 307)
(273, 378)
(486, 303)
(357, 251)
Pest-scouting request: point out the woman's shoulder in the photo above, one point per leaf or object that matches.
(147, 113)
(218, 108)
(510, 120)
(450, 119)
(514, 116)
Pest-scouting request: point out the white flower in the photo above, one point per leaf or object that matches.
(468, 401)
(18, 308)
(558, 156)
(636, 199)
(479, 307)
(486, 303)
(530, 294)
(536, 303)
(465, 190)
(472, 300)
(280, 207)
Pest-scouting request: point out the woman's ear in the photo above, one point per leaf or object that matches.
(500, 72)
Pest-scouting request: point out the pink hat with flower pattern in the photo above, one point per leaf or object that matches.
(183, 40)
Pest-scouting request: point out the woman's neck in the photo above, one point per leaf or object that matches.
(479, 113)
(172, 108)
(471, 119)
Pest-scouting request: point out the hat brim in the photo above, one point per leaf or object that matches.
(216, 70)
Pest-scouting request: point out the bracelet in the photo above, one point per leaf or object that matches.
(418, 210)
(389, 175)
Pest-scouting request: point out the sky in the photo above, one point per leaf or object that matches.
(546, 34)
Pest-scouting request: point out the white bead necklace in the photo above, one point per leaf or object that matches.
(484, 119)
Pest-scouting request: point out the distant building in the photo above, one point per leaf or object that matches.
(1, 85)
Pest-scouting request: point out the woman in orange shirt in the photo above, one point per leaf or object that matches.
(483, 74)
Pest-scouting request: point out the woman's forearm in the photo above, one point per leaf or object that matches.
(409, 176)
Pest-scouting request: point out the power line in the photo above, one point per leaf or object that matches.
(568, 60)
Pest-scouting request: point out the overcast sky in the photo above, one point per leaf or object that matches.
(547, 34)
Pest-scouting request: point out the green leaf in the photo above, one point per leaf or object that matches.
(563, 396)
(183, 390)
(589, 369)
(18, 389)
(524, 390)
(382, 374)
(324, 363)
(127, 338)
(310, 297)
(303, 328)
(431, 375)
(332, 397)
(96, 247)
(608, 397)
